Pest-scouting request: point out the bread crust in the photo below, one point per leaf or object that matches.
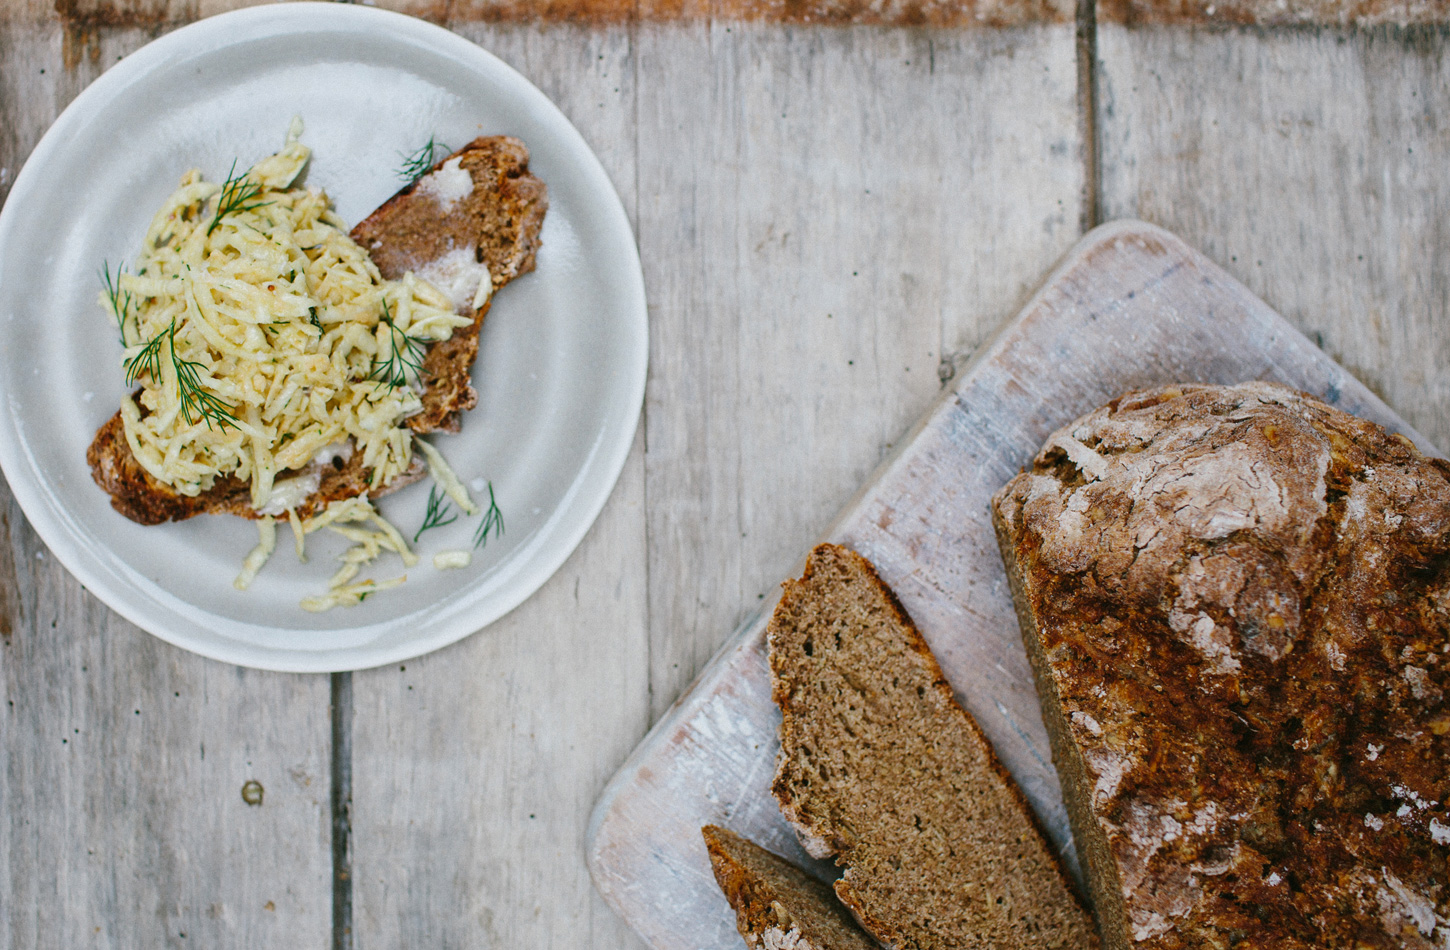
(1236, 601)
(777, 905)
(502, 218)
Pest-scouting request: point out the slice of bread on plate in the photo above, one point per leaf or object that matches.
(476, 213)
(881, 768)
(777, 905)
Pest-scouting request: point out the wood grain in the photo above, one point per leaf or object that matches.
(854, 212)
(1333, 206)
(1275, 13)
(474, 768)
(915, 13)
(122, 759)
(122, 762)
(1131, 307)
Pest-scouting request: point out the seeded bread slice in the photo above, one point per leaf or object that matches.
(777, 905)
(497, 222)
(881, 767)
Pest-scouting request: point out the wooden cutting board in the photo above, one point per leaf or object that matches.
(1130, 306)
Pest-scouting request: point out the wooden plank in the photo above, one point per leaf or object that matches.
(1312, 167)
(751, 223)
(92, 14)
(474, 768)
(1132, 306)
(827, 218)
(122, 759)
(1294, 13)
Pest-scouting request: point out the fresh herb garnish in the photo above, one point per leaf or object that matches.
(393, 371)
(121, 300)
(492, 522)
(197, 405)
(148, 361)
(209, 407)
(239, 194)
(417, 164)
(436, 515)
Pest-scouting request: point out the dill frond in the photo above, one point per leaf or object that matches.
(121, 300)
(148, 361)
(492, 523)
(393, 371)
(239, 194)
(416, 164)
(436, 515)
(209, 407)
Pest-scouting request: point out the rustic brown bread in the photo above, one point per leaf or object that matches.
(1236, 601)
(777, 905)
(501, 217)
(881, 767)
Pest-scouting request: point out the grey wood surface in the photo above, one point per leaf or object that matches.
(1131, 307)
(831, 219)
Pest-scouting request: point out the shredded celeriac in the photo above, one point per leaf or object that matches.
(266, 544)
(264, 336)
(340, 517)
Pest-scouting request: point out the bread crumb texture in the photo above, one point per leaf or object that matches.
(881, 767)
(777, 905)
(1237, 602)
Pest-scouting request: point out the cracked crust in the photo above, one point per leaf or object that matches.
(1236, 601)
(501, 219)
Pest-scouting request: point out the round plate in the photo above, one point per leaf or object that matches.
(560, 373)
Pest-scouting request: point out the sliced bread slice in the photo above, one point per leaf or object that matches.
(777, 905)
(882, 768)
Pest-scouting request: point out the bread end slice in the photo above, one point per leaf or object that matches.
(777, 905)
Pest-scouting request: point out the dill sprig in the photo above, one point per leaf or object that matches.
(197, 405)
(148, 361)
(437, 514)
(121, 300)
(492, 523)
(239, 194)
(416, 164)
(208, 406)
(393, 371)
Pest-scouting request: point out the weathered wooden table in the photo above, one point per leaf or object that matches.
(835, 203)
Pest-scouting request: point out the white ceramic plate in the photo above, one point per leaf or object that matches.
(560, 373)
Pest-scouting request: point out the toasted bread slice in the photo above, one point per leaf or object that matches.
(431, 228)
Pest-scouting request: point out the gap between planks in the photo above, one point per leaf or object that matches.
(341, 708)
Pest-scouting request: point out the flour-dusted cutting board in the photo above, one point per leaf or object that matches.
(1131, 306)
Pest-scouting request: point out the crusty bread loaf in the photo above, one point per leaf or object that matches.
(882, 768)
(777, 905)
(499, 219)
(1236, 601)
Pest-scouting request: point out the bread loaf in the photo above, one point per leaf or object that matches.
(777, 905)
(1236, 602)
(880, 767)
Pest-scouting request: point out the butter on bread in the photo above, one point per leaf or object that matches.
(496, 216)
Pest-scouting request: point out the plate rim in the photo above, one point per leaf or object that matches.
(55, 524)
